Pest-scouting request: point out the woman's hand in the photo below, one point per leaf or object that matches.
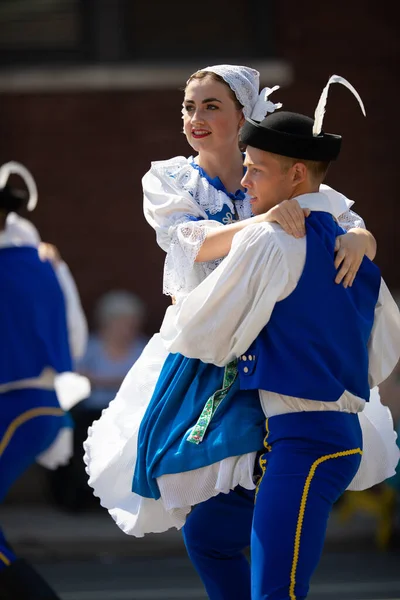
(49, 252)
(350, 249)
(290, 216)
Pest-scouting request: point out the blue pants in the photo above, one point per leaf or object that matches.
(309, 460)
(30, 420)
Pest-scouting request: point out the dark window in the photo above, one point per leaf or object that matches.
(101, 31)
(219, 30)
(40, 30)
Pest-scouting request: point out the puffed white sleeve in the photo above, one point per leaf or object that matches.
(219, 320)
(22, 230)
(181, 227)
(76, 319)
(384, 342)
(350, 219)
(341, 208)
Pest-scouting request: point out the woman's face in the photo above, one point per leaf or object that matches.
(210, 116)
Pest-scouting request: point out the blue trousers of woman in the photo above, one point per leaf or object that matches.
(310, 459)
(30, 420)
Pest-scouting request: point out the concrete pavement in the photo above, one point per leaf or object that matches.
(40, 531)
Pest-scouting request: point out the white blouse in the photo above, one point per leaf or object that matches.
(219, 320)
(176, 198)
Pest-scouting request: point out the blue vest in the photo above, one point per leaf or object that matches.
(33, 328)
(315, 344)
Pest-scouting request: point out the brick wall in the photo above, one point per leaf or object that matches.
(359, 41)
(88, 151)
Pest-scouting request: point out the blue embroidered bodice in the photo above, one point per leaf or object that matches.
(224, 216)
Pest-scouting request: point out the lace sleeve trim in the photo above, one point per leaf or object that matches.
(350, 220)
(185, 236)
(181, 272)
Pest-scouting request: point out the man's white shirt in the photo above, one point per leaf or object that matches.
(219, 320)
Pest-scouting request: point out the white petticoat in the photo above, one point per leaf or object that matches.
(111, 449)
(380, 451)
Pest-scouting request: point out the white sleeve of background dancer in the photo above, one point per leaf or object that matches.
(76, 319)
(219, 320)
(384, 342)
(22, 231)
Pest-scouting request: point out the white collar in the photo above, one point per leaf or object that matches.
(9, 239)
(19, 232)
(326, 200)
(6, 240)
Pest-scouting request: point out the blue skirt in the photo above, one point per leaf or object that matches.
(182, 390)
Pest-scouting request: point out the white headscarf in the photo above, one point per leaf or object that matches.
(245, 83)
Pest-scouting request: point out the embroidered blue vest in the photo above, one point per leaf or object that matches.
(33, 328)
(315, 344)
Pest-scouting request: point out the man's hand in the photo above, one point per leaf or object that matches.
(290, 216)
(50, 253)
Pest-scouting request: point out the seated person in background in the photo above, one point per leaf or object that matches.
(112, 349)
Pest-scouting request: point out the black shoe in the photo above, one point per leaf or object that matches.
(20, 581)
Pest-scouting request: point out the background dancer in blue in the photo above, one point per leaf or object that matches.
(312, 349)
(34, 348)
(23, 233)
(195, 205)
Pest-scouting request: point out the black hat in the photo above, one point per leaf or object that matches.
(297, 136)
(290, 134)
(13, 199)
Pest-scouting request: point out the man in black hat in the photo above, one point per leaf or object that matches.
(313, 350)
